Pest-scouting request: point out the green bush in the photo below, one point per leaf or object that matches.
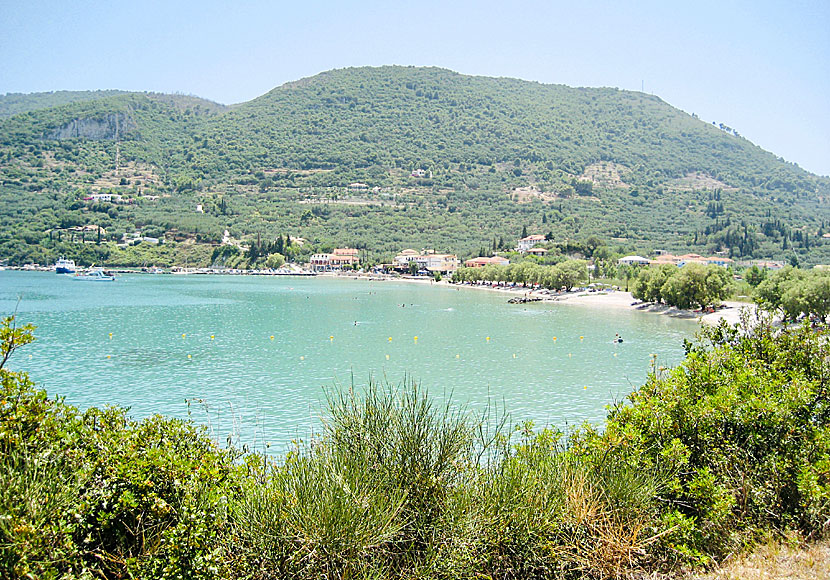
(740, 433)
(96, 494)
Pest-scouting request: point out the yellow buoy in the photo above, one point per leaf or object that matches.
(585, 387)
(302, 358)
(569, 355)
(331, 338)
(387, 357)
(212, 337)
(416, 339)
(272, 337)
(554, 339)
(615, 354)
(110, 336)
(581, 338)
(488, 339)
(183, 336)
(514, 355)
(108, 356)
(189, 356)
(390, 339)
(458, 356)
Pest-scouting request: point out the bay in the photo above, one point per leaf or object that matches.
(254, 355)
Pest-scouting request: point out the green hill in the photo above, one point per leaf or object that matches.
(15, 103)
(393, 157)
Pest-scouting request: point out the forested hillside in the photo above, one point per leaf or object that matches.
(15, 103)
(392, 157)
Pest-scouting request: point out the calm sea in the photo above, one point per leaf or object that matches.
(254, 355)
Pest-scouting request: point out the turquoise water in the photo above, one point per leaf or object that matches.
(209, 339)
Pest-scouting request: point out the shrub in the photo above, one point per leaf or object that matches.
(740, 432)
(97, 494)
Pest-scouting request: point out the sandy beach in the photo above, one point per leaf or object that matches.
(730, 311)
(616, 300)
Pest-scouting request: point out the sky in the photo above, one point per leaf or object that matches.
(761, 67)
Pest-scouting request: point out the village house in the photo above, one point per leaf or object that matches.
(89, 233)
(426, 260)
(405, 257)
(136, 238)
(441, 263)
(681, 261)
(334, 261)
(769, 265)
(107, 197)
(482, 261)
(633, 261)
(529, 242)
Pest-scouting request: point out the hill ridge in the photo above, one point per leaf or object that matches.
(449, 160)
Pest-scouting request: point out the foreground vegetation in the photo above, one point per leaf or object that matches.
(731, 447)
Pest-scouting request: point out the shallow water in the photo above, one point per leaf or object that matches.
(257, 352)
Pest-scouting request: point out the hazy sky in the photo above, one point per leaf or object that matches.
(761, 67)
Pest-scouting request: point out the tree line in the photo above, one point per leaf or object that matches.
(691, 285)
(794, 293)
(563, 276)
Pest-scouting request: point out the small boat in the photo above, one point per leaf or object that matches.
(64, 266)
(96, 275)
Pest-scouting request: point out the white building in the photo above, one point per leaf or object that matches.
(633, 261)
(427, 260)
(529, 242)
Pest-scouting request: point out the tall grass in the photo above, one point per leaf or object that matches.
(399, 486)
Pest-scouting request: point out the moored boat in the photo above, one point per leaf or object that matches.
(96, 275)
(64, 266)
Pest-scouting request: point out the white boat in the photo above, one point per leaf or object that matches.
(64, 266)
(96, 275)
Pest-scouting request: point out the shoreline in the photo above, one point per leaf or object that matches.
(730, 310)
